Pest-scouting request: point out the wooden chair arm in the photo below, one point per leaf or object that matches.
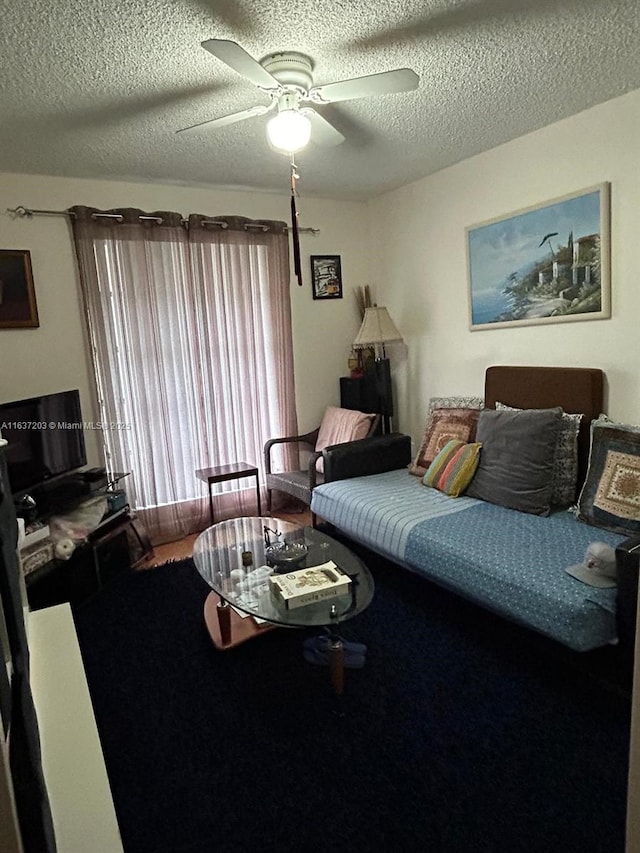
(308, 438)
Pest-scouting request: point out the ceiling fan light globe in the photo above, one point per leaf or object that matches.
(289, 131)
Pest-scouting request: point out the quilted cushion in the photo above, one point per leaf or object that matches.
(610, 497)
(565, 459)
(453, 468)
(516, 461)
(448, 418)
(341, 425)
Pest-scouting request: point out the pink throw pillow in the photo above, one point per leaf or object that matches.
(339, 426)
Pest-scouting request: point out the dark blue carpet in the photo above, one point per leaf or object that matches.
(459, 735)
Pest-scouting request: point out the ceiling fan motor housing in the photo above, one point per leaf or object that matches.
(290, 69)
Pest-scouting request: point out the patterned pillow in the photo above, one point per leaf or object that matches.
(453, 468)
(447, 418)
(610, 497)
(565, 460)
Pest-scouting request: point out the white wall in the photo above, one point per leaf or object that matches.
(55, 357)
(419, 257)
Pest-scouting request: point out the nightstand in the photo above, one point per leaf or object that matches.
(628, 566)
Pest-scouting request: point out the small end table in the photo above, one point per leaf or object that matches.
(222, 473)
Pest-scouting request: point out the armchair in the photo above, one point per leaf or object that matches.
(338, 426)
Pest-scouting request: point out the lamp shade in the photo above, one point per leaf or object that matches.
(289, 131)
(377, 328)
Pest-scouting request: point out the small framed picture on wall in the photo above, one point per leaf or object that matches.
(326, 276)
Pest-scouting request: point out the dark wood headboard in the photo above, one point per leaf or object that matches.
(576, 389)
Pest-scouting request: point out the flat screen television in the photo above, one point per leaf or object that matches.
(46, 439)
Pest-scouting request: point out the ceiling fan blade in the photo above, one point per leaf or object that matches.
(387, 82)
(322, 131)
(236, 57)
(232, 118)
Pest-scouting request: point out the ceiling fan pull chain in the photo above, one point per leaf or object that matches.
(294, 172)
(297, 266)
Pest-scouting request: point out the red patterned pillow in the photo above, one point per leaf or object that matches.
(444, 425)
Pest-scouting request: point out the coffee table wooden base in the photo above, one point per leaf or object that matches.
(240, 630)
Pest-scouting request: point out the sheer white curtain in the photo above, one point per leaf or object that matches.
(190, 329)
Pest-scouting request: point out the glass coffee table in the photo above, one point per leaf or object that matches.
(239, 588)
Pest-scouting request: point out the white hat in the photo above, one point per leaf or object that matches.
(598, 568)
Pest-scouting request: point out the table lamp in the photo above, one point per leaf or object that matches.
(378, 329)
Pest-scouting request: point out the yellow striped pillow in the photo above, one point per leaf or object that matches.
(453, 468)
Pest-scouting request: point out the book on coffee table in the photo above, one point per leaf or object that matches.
(308, 586)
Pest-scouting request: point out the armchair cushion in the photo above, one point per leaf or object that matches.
(339, 426)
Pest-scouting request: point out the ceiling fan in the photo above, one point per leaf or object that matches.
(287, 78)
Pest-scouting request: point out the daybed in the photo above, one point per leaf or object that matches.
(509, 561)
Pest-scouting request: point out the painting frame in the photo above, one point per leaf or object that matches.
(326, 276)
(18, 308)
(512, 280)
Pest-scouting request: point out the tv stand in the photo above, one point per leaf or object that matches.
(62, 494)
(117, 544)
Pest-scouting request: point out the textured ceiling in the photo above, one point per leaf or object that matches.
(97, 88)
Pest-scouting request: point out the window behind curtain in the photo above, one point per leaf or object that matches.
(191, 337)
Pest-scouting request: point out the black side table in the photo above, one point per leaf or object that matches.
(628, 567)
(222, 473)
(359, 393)
(371, 392)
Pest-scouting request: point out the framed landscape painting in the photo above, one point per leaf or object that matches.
(545, 264)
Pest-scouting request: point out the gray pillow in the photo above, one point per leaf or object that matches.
(565, 460)
(516, 460)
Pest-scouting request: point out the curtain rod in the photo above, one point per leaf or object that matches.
(22, 212)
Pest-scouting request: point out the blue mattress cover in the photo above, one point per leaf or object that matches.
(381, 510)
(510, 562)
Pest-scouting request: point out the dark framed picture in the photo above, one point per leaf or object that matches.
(326, 277)
(18, 308)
